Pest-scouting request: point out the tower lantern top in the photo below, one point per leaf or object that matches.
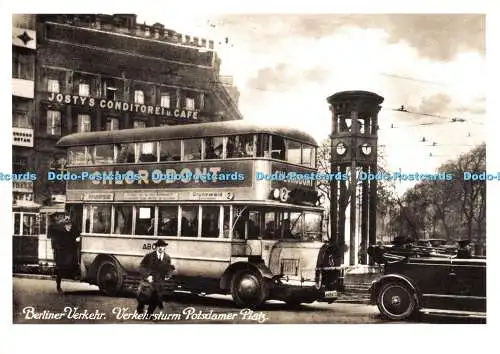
(366, 96)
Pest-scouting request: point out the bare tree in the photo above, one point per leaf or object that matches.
(453, 209)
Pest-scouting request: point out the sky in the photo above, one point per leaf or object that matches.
(286, 65)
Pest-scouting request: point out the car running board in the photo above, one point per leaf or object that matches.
(454, 313)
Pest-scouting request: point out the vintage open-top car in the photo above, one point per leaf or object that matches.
(416, 281)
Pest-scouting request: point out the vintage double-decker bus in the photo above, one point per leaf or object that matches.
(216, 193)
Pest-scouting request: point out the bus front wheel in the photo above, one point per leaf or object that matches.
(109, 278)
(248, 289)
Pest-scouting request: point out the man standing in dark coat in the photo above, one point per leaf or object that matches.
(464, 249)
(65, 240)
(156, 268)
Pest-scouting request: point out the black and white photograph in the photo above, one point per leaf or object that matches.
(249, 168)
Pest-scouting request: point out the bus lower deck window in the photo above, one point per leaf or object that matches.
(189, 221)
(210, 221)
(123, 220)
(145, 221)
(101, 220)
(167, 223)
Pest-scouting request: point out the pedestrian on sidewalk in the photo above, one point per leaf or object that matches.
(156, 269)
(65, 238)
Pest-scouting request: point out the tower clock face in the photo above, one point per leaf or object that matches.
(366, 149)
(341, 149)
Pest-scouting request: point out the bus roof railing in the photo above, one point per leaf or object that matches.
(184, 131)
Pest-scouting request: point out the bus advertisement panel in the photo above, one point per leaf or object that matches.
(199, 174)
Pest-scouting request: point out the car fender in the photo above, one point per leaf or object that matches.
(377, 284)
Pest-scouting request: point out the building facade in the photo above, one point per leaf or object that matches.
(107, 72)
(24, 45)
(228, 83)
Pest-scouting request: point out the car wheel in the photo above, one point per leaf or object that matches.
(248, 289)
(396, 301)
(110, 278)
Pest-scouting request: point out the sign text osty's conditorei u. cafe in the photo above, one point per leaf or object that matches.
(120, 106)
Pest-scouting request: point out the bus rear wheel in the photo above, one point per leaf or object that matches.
(248, 289)
(109, 278)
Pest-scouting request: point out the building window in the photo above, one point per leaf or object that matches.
(54, 123)
(165, 101)
(139, 97)
(20, 119)
(83, 123)
(19, 165)
(84, 90)
(53, 86)
(202, 101)
(112, 124)
(109, 90)
(22, 66)
(190, 103)
(139, 124)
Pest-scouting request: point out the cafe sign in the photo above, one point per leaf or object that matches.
(120, 106)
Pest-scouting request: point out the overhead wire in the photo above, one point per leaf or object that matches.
(449, 120)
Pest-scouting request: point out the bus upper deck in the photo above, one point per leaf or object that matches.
(193, 162)
(205, 141)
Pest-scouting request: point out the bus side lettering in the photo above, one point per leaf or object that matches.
(148, 246)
